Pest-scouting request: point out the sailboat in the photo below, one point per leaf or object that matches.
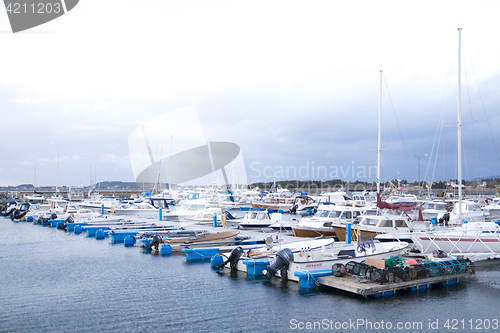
(480, 238)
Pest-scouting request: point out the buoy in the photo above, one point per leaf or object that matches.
(411, 262)
(99, 234)
(216, 260)
(29, 219)
(78, 229)
(129, 241)
(166, 249)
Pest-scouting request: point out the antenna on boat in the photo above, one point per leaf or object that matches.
(459, 143)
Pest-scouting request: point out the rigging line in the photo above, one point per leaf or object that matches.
(473, 127)
(485, 114)
(437, 137)
(399, 131)
(439, 131)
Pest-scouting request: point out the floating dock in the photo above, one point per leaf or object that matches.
(351, 284)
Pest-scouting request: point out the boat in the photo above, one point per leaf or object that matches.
(280, 224)
(299, 257)
(149, 208)
(374, 225)
(493, 208)
(434, 209)
(471, 237)
(103, 203)
(202, 239)
(187, 209)
(464, 210)
(256, 218)
(206, 216)
(327, 215)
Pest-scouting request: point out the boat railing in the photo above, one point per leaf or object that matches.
(466, 233)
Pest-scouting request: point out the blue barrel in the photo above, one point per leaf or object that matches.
(129, 241)
(166, 249)
(99, 234)
(216, 260)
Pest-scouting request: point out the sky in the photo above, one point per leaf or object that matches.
(295, 84)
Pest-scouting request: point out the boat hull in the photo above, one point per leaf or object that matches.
(313, 232)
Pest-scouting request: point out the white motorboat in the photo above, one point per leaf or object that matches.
(493, 208)
(469, 238)
(318, 254)
(187, 209)
(256, 218)
(328, 215)
(103, 202)
(432, 209)
(470, 212)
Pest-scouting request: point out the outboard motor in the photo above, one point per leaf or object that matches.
(18, 215)
(293, 210)
(445, 219)
(234, 256)
(155, 242)
(283, 260)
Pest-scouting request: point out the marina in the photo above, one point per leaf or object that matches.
(277, 166)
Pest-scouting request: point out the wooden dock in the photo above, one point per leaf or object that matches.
(351, 284)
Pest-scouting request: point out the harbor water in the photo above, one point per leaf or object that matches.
(56, 281)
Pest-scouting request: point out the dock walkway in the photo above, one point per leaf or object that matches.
(351, 284)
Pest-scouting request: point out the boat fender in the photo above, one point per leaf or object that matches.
(233, 259)
(282, 263)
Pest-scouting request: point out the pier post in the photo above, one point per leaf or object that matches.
(348, 237)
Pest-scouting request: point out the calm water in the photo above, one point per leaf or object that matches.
(53, 281)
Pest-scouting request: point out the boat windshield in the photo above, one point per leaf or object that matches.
(436, 206)
(369, 221)
(322, 213)
(334, 214)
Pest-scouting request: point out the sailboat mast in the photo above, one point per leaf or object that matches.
(459, 141)
(379, 135)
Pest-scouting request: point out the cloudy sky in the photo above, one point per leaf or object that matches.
(294, 83)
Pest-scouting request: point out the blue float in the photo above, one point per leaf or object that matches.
(71, 226)
(165, 249)
(119, 237)
(55, 223)
(256, 266)
(129, 241)
(78, 229)
(216, 260)
(99, 234)
(200, 253)
(307, 279)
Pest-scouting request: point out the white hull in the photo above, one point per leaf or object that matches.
(471, 238)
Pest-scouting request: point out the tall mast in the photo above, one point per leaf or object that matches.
(379, 135)
(459, 144)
